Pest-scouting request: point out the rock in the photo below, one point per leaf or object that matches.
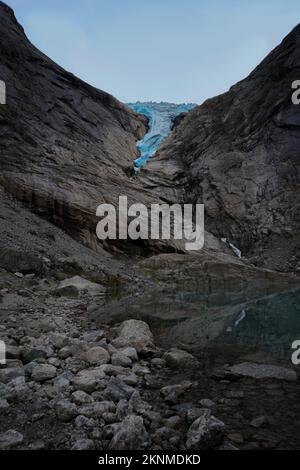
(180, 360)
(119, 359)
(29, 355)
(77, 285)
(130, 435)
(17, 390)
(6, 375)
(65, 352)
(83, 422)
(205, 433)
(137, 334)
(234, 394)
(88, 379)
(97, 409)
(65, 410)
(83, 444)
(263, 371)
(4, 405)
(93, 336)
(12, 352)
(117, 390)
(235, 437)
(97, 356)
(138, 406)
(129, 352)
(10, 439)
(172, 393)
(19, 262)
(193, 413)
(259, 421)
(43, 372)
(82, 398)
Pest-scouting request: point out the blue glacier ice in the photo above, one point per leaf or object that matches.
(160, 119)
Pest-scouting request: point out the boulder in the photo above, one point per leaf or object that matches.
(130, 434)
(137, 334)
(6, 375)
(205, 433)
(78, 285)
(178, 359)
(43, 372)
(96, 356)
(10, 439)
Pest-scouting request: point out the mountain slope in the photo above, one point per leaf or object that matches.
(65, 146)
(239, 153)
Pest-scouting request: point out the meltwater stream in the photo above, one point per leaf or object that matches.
(160, 120)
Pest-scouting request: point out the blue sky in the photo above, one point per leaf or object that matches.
(160, 50)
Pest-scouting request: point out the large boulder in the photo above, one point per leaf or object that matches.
(135, 333)
(205, 433)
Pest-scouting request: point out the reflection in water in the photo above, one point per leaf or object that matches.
(266, 326)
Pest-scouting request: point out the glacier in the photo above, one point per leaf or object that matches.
(160, 120)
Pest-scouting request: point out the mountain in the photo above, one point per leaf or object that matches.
(65, 146)
(161, 118)
(239, 153)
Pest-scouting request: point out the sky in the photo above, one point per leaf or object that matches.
(158, 50)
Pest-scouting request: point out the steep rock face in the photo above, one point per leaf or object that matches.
(239, 154)
(65, 146)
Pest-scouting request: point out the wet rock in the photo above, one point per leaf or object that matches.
(205, 433)
(43, 372)
(130, 435)
(172, 393)
(10, 439)
(6, 375)
(135, 333)
(97, 356)
(180, 360)
(263, 371)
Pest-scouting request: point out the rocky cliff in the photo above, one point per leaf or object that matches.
(239, 153)
(65, 146)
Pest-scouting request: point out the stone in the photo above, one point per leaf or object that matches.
(208, 403)
(172, 393)
(180, 360)
(88, 379)
(10, 439)
(65, 410)
(83, 444)
(130, 434)
(235, 437)
(6, 375)
(96, 356)
(205, 433)
(137, 334)
(43, 372)
(97, 409)
(263, 371)
(82, 398)
(119, 359)
(4, 405)
(129, 352)
(117, 390)
(259, 421)
(77, 285)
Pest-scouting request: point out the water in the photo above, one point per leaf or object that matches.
(160, 120)
(264, 328)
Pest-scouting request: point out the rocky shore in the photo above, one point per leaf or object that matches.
(69, 384)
